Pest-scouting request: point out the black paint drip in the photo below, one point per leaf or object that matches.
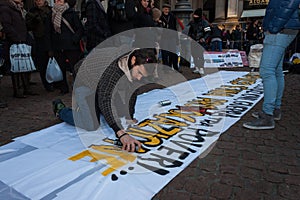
(114, 177)
(123, 172)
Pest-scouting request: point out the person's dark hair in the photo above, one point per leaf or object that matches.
(139, 6)
(144, 56)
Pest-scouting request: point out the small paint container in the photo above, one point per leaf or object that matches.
(165, 102)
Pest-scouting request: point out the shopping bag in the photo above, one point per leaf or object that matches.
(255, 55)
(53, 72)
(20, 58)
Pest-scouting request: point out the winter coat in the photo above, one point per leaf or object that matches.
(281, 14)
(97, 26)
(120, 26)
(144, 19)
(13, 22)
(216, 32)
(169, 22)
(199, 29)
(36, 21)
(66, 40)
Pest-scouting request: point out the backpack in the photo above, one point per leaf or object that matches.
(117, 10)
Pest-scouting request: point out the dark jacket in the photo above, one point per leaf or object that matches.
(237, 35)
(199, 29)
(143, 19)
(216, 32)
(281, 14)
(118, 26)
(252, 32)
(169, 21)
(66, 40)
(13, 23)
(97, 26)
(36, 21)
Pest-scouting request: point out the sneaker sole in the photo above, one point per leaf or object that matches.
(258, 128)
(256, 116)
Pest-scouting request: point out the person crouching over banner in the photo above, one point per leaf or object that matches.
(115, 96)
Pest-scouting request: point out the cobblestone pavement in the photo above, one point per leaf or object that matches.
(244, 164)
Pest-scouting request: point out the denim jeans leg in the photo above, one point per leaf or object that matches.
(213, 46)
(280, 83)
(66, 115)
(273, 52)
(220, 46)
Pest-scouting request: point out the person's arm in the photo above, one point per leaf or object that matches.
(79, 31)
(106, 86)
(207, 31)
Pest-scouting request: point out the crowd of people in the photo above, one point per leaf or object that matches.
(62, 33)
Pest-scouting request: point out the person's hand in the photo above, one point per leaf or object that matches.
(202, 40)
(131, 121)
(129, 143)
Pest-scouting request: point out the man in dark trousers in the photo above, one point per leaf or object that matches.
(199, 31)
(169, 21)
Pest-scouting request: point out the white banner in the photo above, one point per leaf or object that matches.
(59, 163)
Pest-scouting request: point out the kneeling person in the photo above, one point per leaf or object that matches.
(114, 96)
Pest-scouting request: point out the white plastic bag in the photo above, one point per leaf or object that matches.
(53, 72)
(255, 55)
(20, 58)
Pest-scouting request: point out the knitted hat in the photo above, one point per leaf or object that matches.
(198, 12)
(156, 13)
(166, 5)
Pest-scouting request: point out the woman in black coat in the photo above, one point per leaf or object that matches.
(65, 37)
(15, 31)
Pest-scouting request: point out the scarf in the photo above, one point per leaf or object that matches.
(57, 12)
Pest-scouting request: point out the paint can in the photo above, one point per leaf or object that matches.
(165, 102)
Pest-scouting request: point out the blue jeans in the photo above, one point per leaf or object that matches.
(271, 69)
(216, 45)
(66, 115)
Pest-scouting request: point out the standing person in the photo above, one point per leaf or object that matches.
(199, 31)
(66, 30)
(97, 25)
(281, 24)
(36, 21)
(143, 19)
(169, 21)
(216, 38)
(120, 15)
(237, 34)
(252, 34)
(14, 27)
(143, 16)
(115, 95)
